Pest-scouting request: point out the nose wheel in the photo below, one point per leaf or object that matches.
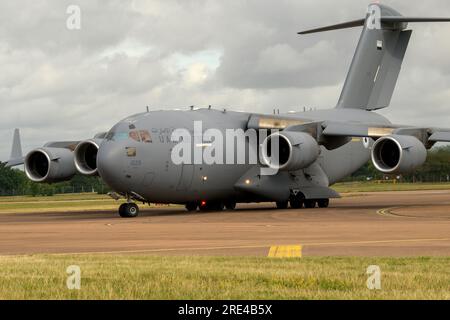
(128, 210)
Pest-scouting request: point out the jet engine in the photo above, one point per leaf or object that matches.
(296, 150)
(49, 165)
(85, 156)
(398, 154)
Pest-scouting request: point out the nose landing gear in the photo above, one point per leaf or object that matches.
(128, 210)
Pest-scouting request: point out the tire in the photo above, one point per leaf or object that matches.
(128, 210)
(218, 206)
(297, 201)
(282, 205)
(191, 206)
(323, 203)
(230, 205)
(310, 204)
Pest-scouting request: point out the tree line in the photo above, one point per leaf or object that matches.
(435, 169)
(15, 182)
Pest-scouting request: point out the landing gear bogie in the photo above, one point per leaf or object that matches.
(212, 206)
(323, 203)
(310, 204)
(297, 200)
(230, 205)
(281, 205)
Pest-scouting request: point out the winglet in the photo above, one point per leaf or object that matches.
(16, 157)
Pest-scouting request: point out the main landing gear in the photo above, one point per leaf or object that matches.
(128, 210)
(211, 206)
(298, 201)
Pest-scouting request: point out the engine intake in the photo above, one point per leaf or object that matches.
(296, 150)
(49, 165)
(398, 154)
(86, 157)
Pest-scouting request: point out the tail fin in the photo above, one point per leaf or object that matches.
(16, 151)
(378, 58)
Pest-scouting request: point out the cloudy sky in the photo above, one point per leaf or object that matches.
(57, 83)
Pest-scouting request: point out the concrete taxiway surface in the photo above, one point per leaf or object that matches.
(370, 224)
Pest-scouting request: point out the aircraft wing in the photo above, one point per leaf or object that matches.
(17, 158)
(427, 135)
(327, 130)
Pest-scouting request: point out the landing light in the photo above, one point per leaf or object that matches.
(247, 181)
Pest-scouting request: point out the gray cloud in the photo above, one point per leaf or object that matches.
(59, 84)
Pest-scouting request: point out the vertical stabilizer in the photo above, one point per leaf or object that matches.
(16, 151)
(16, 157)
(376, 64)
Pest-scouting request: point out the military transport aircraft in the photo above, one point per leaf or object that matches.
(299, 155)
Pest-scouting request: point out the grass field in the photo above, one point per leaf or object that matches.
(347, 187)
(95, 202)
(66, 202)
(150, 277)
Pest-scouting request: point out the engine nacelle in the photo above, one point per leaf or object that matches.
(297, 150)
(49, 165)
(85, 157)
(398, 154)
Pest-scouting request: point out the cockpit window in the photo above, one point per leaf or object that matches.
(145, 136)
(134, 135)
(116, 136)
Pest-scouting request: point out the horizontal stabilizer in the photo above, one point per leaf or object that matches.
(412, 19)
(385, 20)
(345, 25)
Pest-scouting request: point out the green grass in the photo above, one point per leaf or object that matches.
(153, 277)
(57, 197)
(69, 202)
(59, 203)
(350, 187)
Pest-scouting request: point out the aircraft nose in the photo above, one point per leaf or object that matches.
(109, 163)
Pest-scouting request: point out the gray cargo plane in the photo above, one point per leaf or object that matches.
(314, 149)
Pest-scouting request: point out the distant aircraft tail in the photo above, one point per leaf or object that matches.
(16, 157)
(378, 58)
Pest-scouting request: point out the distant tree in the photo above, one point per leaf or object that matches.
(14, 181)
(11, 180)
